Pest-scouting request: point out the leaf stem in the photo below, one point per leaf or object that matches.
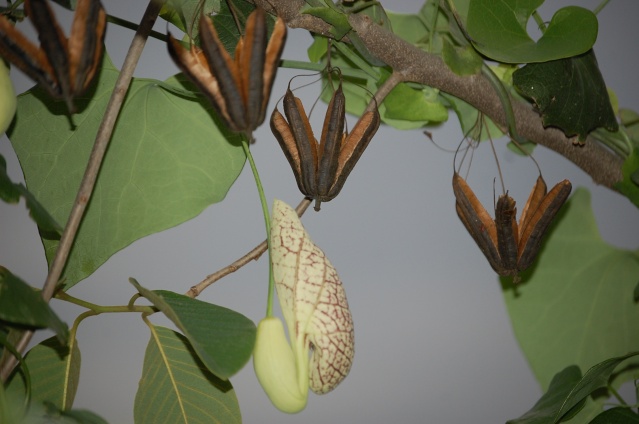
(133, 26)
(93, 167)
(101, 309)
(598, 9)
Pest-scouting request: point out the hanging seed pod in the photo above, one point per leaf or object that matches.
(64, 67)
(321, 169)
(238, 88)
(510, 247)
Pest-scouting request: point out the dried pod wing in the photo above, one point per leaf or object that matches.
(533, 229)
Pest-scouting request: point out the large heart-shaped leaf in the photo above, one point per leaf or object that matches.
(177, 388)
(168, 160)
(497, 29)
(576, 306)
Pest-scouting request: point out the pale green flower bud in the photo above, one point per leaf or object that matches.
(275, 367)
(8, 99)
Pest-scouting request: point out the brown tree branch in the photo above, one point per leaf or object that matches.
(253, 255)
(418, 66)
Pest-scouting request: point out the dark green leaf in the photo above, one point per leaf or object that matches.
(21, 305)
(177, 388)
(55, 373)
(579, 290)
(628, 186)
(636, 293)
(498, 30)
(616, 416)
(595, 378)
(10, 192)
(168, 160)
(569, 93)
(547, 406)
(223, 339)
(226, 25)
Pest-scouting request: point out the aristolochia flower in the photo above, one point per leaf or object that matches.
(316, 312)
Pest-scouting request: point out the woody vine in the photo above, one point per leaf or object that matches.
(318, 351)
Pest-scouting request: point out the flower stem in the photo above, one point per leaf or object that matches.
(267, 221)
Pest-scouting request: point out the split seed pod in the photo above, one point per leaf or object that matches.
(510, 247)
(64, 67)
(317, 316)
(239, 88)
(321, 168)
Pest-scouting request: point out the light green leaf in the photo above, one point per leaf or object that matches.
(629, 187)
(223, 339)
(177, 388)
(462, 60)
(55, 372)
(498, 30)
(168, 160)
(22, 305)
(575, 306)
(10, 192)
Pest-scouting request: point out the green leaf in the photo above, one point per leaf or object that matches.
(177, 388)
(498, 30)
(185, 14)
(10, 192)
(329, 13)
(468, 119)
(55, 372)
(409, 27)
(168, 160)
(547, 406)
(569, 93)
(47, 413)
(21, 305)
(628, 186)
(462, 60)
(595, 378)
(223, 339)
(575, 307)
(617, 415)
(317, 50)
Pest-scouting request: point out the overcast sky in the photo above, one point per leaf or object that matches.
(433, 340)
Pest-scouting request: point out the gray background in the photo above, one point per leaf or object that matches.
(433, 339)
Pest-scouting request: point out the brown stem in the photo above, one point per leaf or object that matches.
(93, 167)
(421, 67)
(253, 255)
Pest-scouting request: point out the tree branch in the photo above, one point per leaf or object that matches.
(416, 65)
(93, 167)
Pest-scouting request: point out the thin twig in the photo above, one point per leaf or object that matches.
(93, 167)
(253, 255)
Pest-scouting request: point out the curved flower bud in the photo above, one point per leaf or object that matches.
(276, 368)
(314, 306)
(8, 100)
